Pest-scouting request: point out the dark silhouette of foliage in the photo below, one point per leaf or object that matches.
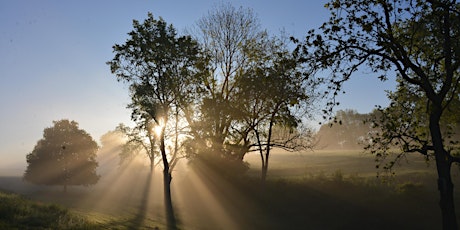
(404, 126)
(66, 155)
(416, 39)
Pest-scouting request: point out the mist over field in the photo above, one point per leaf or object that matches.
(304, 189)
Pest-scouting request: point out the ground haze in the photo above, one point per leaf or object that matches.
(304, 191)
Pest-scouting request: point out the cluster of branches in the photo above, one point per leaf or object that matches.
(403, 127)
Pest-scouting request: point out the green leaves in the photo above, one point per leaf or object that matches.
(157, 64)
(65, 156)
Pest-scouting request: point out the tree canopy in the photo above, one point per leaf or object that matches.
(66, 155)
(158, 65)
(249, 82)
(227, 37)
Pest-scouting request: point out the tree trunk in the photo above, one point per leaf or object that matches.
(170, 218)
(443, 165)
(152, 165)
(65, 188)
(265, 165)
(262, 158)
(267, 150)
(264, 173)
(446, 190)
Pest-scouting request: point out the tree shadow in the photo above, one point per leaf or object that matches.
(141, 214)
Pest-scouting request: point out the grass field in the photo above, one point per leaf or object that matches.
(319, 190)
(16, 212)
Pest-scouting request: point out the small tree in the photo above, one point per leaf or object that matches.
(140, 139)
(65, 156)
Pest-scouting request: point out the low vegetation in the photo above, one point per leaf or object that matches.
(17, 212)
(320, 190)
(339, 201)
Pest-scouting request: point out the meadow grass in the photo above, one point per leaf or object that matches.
(338, 201)
(303, 191)
(17, 212)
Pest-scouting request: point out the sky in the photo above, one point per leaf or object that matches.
(53, 58)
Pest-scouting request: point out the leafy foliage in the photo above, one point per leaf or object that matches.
(139, 140)
(65, 156)
(159, 66)
(250, 82)
(228, 37)
(403, 127)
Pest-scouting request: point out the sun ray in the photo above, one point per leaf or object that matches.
(219, 201)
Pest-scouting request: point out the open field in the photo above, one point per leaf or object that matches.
(348, 162)
(320, 190)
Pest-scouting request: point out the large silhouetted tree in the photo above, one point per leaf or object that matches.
(158, 66)
(419, 40)
(66, 155)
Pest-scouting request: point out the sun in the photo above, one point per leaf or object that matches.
(158, 127)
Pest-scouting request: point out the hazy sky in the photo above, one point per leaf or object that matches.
(53, 55)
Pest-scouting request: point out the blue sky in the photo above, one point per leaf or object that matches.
(53, 55)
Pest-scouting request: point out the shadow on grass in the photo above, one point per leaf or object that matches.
(332, 204)
(141, 215)
(321, 202)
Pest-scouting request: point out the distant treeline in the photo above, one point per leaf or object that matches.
(352, 130)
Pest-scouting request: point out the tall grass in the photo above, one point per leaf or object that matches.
(17, 212)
